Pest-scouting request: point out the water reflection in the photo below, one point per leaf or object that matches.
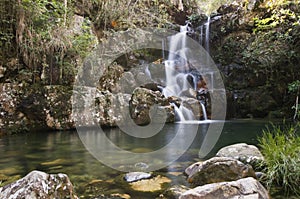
(122, 151)
(64, 151)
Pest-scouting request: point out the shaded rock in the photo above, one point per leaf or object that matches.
(247, 188)
(158, 73)
(127, 82)
(38, 185)
(152, 86)
(150, 185)
(218, 169)
(248, 154)
(135, 176)
(58, 107)
(109, 81)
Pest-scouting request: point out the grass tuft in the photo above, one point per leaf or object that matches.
(280, 147)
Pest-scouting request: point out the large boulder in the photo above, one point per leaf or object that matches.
(248, 154)
(246, 188)
(37, 185)
(146, 103)
(218, 169)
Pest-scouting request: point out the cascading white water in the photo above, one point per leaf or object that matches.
(201, 35)
(178, 112)
(203, 111)
(176, 81)
(207, 24)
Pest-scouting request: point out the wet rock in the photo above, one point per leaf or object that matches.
(245, 188)
(150, 185)
(136, 176)
(38, 185)
(193, 105)
(218, 169)
(146, 105)
(190, 93)
(248, 154)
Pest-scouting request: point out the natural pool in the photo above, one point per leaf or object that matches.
(55, 152)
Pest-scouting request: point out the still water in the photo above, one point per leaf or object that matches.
(64, 152)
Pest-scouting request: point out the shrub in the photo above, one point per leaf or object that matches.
(280, 147)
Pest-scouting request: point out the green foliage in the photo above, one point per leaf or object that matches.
(7, 26)
(280, 147)
(294, 86)
(278, 17)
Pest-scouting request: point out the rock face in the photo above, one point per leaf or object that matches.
(38, 185)
(248, 154)
(92, 107)
(218, 169)
(242, 43)
(246, 188)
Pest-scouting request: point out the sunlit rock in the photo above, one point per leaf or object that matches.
(175, 191)
(248, 154)
(246, 188)
(38, 185)
(218, 169)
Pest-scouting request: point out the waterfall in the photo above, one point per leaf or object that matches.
(201, 35)
(179, 75)
(178, 113)
(207, 24)
(163, 44)
(203, 111)
(188, 114)
(177, 51)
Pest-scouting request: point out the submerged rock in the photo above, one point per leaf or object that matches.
(218, 169)
(150, 185)
(136, 176)
(248, 154)
(175, 191)
(247, 188)
(37, 185)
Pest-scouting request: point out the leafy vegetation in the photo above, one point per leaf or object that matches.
(280, 147)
